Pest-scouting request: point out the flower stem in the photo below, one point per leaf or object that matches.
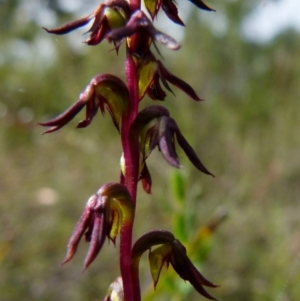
(130, 286)
(135, 5)
(131, 174)
(129, 144)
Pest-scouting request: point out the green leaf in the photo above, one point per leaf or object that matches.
(178, 186)
(179, 227)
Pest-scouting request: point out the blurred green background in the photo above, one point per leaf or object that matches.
(246, 132)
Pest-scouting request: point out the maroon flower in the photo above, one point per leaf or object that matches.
(102, 218)
(170, 8)
(170, 251)
(155, 128)
(152, 73)
(139, 44)
(109, 15)
(105, 91)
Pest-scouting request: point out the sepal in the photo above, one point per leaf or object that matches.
(170, 8)
(66, 28)
(200, 4)
(105, 91)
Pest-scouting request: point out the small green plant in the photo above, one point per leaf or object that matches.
(111, 211)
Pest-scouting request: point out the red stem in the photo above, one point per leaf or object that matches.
(135, 5)
(131, 174)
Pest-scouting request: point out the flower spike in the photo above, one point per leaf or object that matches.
(103, 217)
(169, 251)
(105, 91)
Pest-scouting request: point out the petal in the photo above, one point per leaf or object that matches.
(187, 271)
(65, 117)
(70, 26)
(147, 115)
(157, 258)
(152, 141)
(145, 177)
(91, 111)
(163, 38)
(115, 15)
(201, 4)
(79, 230)
(112, 94)
(146, 75)
(155, 91)
(145, 128)
(122, 32)
(89, 231)
(117, 197)
(98, 35)
(150, 239)
(152, 7)
(97, 239)
(166, 142)
(115, 224)
(179, 83)
(70, 113)
(138, 21)
(190, 153)
(183, 263)
(171, 11)
(98, 17)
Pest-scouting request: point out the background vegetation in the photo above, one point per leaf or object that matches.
(246, 132)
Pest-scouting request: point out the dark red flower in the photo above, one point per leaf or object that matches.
(170, 8)
(154, 127)
(152, 73)
(105, 91)
(109, 15)
(169, 251)
(102, 218)
(140, 24)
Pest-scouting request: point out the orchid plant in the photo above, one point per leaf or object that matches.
(111, 211)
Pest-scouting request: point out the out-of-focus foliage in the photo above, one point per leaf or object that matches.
(246, 132)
